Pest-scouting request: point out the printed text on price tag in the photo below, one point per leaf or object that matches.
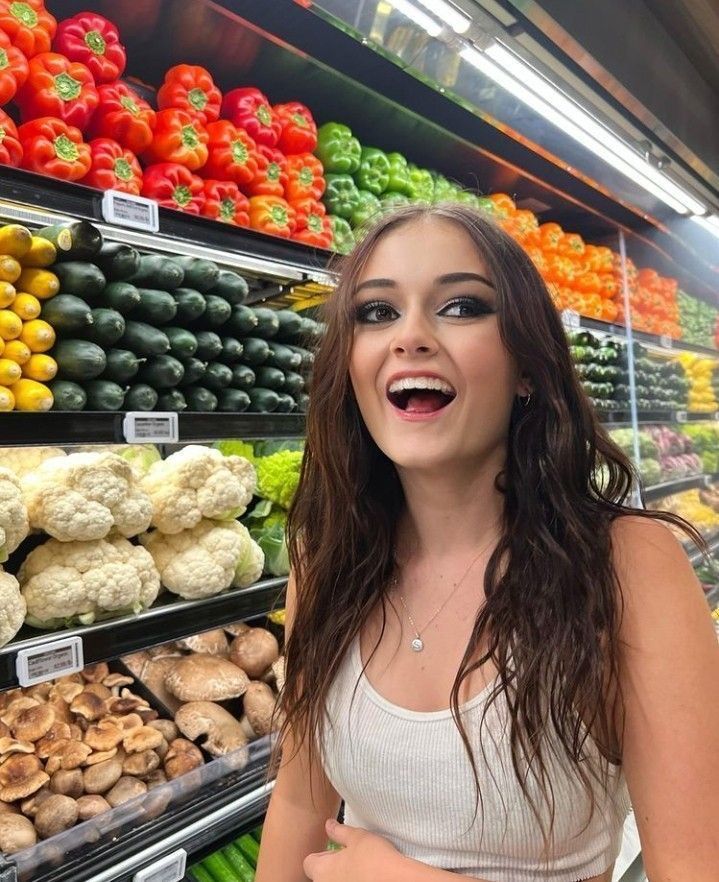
(127, 210)
(170, 868)
(56, 658)
(139, 427)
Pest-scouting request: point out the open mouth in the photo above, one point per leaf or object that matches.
(420, 394)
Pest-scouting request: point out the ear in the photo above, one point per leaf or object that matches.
(525, 386)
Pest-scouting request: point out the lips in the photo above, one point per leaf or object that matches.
(420, 393)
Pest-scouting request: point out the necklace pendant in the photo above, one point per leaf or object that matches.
(417, 644)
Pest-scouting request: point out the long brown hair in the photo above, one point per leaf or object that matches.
(551, 615)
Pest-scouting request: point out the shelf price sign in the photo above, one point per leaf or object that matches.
(170, 868)
(56, 658)
(680, 416)
(126, 210)
(666, 341)
(571, 320)
(140, 427)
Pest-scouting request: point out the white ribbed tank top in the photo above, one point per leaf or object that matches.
(406, 776)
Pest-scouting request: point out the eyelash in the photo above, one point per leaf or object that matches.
(478, 306)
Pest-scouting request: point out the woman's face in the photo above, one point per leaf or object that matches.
(432, 378)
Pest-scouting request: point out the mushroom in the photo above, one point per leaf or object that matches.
(20, 776)
(127, 693)
(67, 755)
(278, 669)
(206, 678)
(211, 642)
(100, 756)
(98, 689)
(30, 805)
(166, 727)
(223, 731)
(165, 650)
(259, 706)
(145, 738)
(16, 833)
(70, 678)
(237, 628)
(33, 723)
(39, 691)
(100, 777)
(247, 729)
(59, 731)
(95, 673)
(122, 706)
(4, 730)
(104, 735)
(116, 681)
(88, 706)
(135, 662)
(148, 714)
(141, 764)
(10, 745)
(90, 805)
(182, 757)
(156, 779)
(127, 788)
(154, 674)
(164, 746)
(57, 813)
(61, 709)
(16, 707)
(127, 721)
(254, 651)
(67, 782)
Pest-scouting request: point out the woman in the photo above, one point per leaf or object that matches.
(489, 654)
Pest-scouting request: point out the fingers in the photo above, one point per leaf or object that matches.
(339, 833)
(311, 863)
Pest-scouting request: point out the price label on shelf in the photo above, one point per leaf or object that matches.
(140, 427)
(571, 320)
(127, 210)
(170, 868)
(680, 416)
(666, 341)
(56, 658)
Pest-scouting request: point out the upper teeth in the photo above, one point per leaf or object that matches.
(407, 383)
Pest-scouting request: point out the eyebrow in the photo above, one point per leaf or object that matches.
(447, 279)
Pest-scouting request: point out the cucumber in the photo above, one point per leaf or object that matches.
(117, 261)
(200, 399)
(294, 383)
(162, 372)
(79, 359)
(263, 400)
(217, 313)
(106, 329)
(231, 287)
(209, 345)
(66, 313)
(287, 403)
(231, 350)
(190, 304)
(217, 376)
(67, 395)
(244, 870)
(233, 401)
(200, 874)
(267, 322)
(256, 351)
(183, 344)
(257, 833)
(270, 378)
(249, 848)
(217, 866)
(79, 240)
(307, 357)
(194, 370)
(121, 296)
(158, 271)
(242, 320)
(155, 306)
(282, 356)
(200, 274)
(143, 339)
(243, 377)
(290, 324)
(140, 397)
(173, 400)
(122, 365)
(81, 279)
(104, 395)
(303, 402)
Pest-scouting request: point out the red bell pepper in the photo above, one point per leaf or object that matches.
(233, 155)
(271, 214)
(10, 146)
(313, 226)
(250, 110)
(13, 69)
(178, 138)
(28, 24)
(271, 176)
(299, 130)
(52, 147)
(123, 116)
(305, 177)
(174, 186)
(224, 202)
(93, 41)
(60, 88)
(113, 168)
(191, 88)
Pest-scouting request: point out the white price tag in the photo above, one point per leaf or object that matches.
(127, 210)
(666, 341)
(571, 320)
(680, 416)
(170, 868)
(140, 427)
(56, 658)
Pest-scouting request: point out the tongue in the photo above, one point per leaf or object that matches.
(426, 401)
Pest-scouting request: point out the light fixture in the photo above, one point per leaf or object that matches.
(458, 21)
(410, 11)
(709, 222)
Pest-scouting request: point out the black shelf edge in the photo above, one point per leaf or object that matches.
(619, 419)
(158, 624)
(659, 491)
(713, 598)
(90, 427)
(695, 555)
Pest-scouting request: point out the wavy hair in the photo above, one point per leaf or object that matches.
(555, 647)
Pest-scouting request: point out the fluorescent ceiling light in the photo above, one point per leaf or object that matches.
(458, 21)
(410, 11)
(710, 223)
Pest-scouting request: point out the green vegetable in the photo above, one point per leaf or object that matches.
(338, 150)
(233, 400)
(158, 271)
(444, 191)
(190, 304)
(81, 279)
(217, 376)
(368, 209)
(278, 475)
(243, 377)
(341, 195)
(200, 874)
(117, 261)
(122, 296)
(155, 306)
(270, 378)
(282, 356)
(173, 400)
(209, 345)
(343, 240)
(263, 400)
(141, 397)
(67, 395)
(249, 847)
(217, 312)
(183, 344)
(267, 322)
(231, 350)
(388, 200)
(79, 240)
(294, 382)
(307, 358)
(399, 177)
(121, 365)
(219, 869)
(243, 320)
(200, 399)
(290, 324)
(200, 274)
(143, 339)
(464, 197)
(256, 351)
(104, 395)
(66, 313)
(107, 327)
(422, 183)
(231, 287)
(161, 372)
(194, 370)
(244, 871)
(373, 172)
(286, 403)
(79, 359)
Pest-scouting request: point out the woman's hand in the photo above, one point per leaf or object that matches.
(365, 857)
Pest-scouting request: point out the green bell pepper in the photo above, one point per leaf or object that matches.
(373, 171)
(390, 200)
(466, 197)
(341, 195)
(422, 183)
(399, 180)
(368, 209)
(343, 240)
(487, 206)
(337, 148)
(443, 190)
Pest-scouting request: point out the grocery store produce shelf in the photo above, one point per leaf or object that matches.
(622, 418)
(170, 619)
(713, 598)
(615, 330)
(659, 491)
(695, 555)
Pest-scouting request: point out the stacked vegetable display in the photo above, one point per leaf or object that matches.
(705, 437)
(700, 373)
(660, 384)
(235, 862)
(698, 320)
(653, 300)
(597, 362)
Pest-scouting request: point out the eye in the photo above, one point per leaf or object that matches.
(466, 307)
(375, 312)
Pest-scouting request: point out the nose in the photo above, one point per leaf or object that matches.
(414, 335)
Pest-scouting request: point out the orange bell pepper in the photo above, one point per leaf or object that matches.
(550, 235)
(272, 214)
(28, 24)
(178, 138)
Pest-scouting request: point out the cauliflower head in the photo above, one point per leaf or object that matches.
(250, 566)
(14, 524)
(203, 560)
(195, 483)
(278, 476)
(23, 460)
(84, 496)
(68, 582)
(12, 607)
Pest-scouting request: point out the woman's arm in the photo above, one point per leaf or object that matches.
(295, 824)
(669, 676)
